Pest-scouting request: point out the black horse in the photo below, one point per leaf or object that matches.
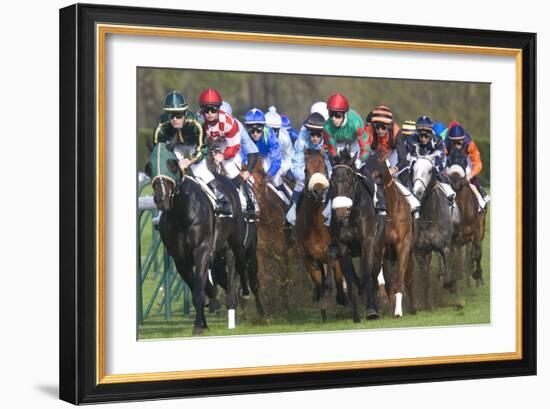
(435, 228)
(192, 234)
(353, 229)
(249, 275)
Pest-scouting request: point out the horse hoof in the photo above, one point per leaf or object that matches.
(397, 317)
(372, 315)
(324, 315)
(198, 331)
(479, 282)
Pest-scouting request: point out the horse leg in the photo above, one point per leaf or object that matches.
(398, 286)
(316, 277)
(346, 264)
(201, 275)
(341, 298)
(231, 292)
(449, 279)
(477, 274)
(409, 281)
(369, 277)
(252, 269)
(422, 261)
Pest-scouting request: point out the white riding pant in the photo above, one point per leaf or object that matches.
(276, 179)
(200, 169)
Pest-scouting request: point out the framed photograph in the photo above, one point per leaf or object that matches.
(209, 245)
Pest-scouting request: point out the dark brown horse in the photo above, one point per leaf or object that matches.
(472, 229)
(353, 229)
(312, 232)
(399, 238)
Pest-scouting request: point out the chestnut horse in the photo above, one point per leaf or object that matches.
(472, 229)
(312, 232)
(399, 237)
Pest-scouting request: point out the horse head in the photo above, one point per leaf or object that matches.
(422, 175)
(316, 173)
(165, 175)
(457, 162)
(343, 183)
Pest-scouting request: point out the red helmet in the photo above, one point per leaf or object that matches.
(210, 97)
(338, 103)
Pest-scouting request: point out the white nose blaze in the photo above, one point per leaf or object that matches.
(317, 179)
(341, 202)
(418, 189)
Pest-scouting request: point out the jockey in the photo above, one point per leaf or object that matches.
(425, 142)
(385, 136)
(249, 156)
(189, 148)
(310, 138)
(268, 147)
(345, 127)
(274, 121)
(222, 129)
(287, 124)
(457, 138)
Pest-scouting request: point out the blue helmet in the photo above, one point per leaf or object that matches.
(456, 132)
(286, 123)
(439, 128)
(254, 116)
(424, 123)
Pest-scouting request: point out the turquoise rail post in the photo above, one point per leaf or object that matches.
(167, 285)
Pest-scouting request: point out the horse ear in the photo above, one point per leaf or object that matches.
(147, 169)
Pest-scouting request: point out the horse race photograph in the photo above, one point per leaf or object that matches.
(273, 203)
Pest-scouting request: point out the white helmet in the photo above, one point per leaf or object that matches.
(272, 118)
(320, 107)
(226, 107)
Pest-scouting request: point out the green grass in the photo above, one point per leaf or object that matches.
(306, 318)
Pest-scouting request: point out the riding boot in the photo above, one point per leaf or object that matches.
(223, 207)
(483, 194)
(380, 205)
(250, 211)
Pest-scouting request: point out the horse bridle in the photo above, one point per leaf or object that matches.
(162, 180)
(354, 172)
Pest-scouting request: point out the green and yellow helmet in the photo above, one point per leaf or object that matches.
(175, 102)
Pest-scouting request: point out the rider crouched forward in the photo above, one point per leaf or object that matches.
(425, 142)
(269, 152)
(385, 137)
(310, 138)
(179, 123)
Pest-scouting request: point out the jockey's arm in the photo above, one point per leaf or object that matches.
(364, 146)
(233, 141)
(329, 143)
(274, 155)
(475, 159)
